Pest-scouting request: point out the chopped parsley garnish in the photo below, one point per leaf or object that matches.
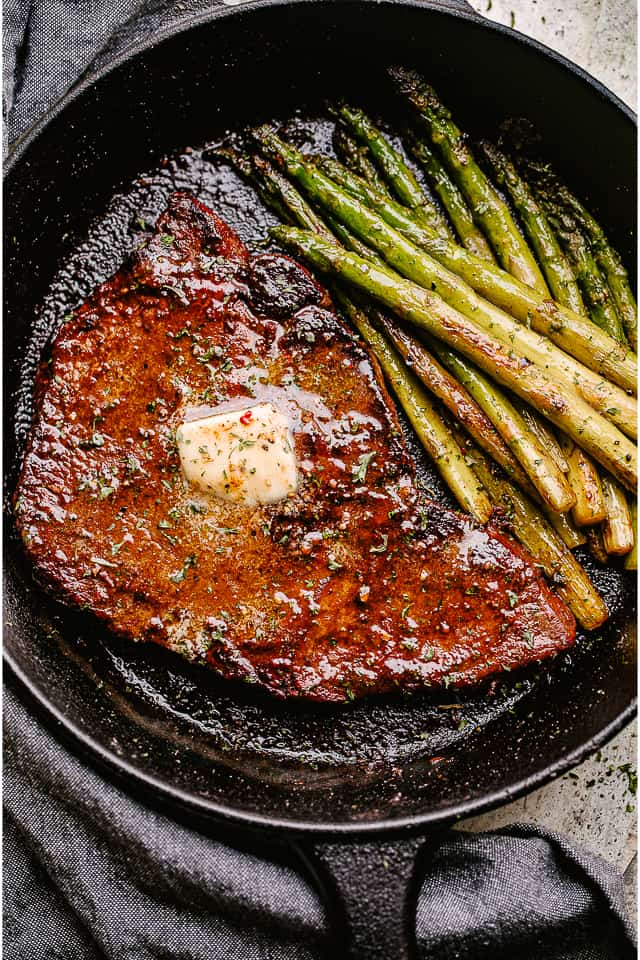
(381, 547)
(179, 575)
(359, 471)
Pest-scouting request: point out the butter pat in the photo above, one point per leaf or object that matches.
(246, 456)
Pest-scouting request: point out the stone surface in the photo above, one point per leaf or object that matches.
(594, 804)
(599, 35)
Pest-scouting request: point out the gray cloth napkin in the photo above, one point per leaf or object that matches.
(91, 872)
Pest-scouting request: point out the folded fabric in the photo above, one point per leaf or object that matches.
(92, 872)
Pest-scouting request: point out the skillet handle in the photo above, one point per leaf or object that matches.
(373, 887)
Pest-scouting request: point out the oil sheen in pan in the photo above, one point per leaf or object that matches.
(186, 703)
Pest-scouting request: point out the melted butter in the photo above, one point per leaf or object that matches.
(245, 455)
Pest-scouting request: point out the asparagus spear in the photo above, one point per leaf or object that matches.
(555, 266)
(546, 437)
(616, 536)
(606, 256)
(543, 472)
(356, 157)
(589, 508)
(612, 267)
(631, 559)
(570, 535)
(395, 171)
(544, 545)
(596, 292)
(473, 419)
(433, 432)
(419, 266)
(454, 397)
(490, 212)
(576, 335)
(617, 529)
(583, 475)
(565, 408)
(452, 200)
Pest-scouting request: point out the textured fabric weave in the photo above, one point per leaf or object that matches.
(90, 872)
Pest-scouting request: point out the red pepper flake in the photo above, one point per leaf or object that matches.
(246, 417)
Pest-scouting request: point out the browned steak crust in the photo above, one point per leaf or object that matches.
(355, 584)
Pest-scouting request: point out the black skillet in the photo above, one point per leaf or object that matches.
(335, 781)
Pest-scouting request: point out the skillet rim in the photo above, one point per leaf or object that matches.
(120, 766)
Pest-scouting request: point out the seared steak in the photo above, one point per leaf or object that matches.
(353, 583)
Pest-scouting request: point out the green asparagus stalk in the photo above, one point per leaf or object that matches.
(434, 434)
(606, 256)
(612, 268)
(351, 242)
(576, 335)
(420, 267)
(631, 559)
(543, 472)
(589, 508)
(454, 397)
(394, 170)
(544, 545)
(596, 293)
(564, 408)
(546, 437)
(452, 200)
(617, 529)
(356, 157)
(490, 212)
(464, 408)
(563, 525)
(555, 266)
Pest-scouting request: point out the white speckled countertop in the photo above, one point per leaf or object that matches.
(595, 804)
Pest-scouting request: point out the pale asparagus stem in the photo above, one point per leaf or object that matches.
(562, 406)
(631, 559)
(395, 172)
(563, 525)
(536, 535)
(616, 536)
(457, 400)
(617, 529)
(543, 472)
(546, 437)
(452, 200)
(490, 211)
(583, 476)
(555, 266)
(454, 397)
(575, 334)
(464, 408)
(428, 423)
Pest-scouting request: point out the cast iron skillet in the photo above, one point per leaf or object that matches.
(334, 778)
